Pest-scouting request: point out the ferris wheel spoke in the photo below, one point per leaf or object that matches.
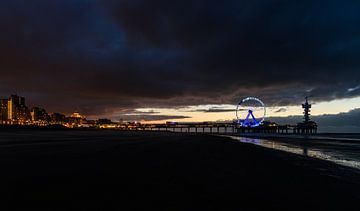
(254, 119)
(247, 122)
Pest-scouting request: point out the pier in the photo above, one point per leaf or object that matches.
(184, 127)
(221, 128)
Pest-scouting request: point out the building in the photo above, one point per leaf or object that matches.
(39, 115)
(17, 110)
(3, 111)
(77, 115)
(76, 120)
(104, 121)
(57, 118)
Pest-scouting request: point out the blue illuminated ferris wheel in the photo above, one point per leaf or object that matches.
(250, 112)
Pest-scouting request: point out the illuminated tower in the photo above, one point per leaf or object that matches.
(11, 109)
(306, 106)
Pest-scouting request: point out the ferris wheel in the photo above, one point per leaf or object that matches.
(250, 112)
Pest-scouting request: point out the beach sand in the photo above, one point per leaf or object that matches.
(111, 170)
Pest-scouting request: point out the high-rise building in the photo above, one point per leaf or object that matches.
(17, 110)
(3, 110)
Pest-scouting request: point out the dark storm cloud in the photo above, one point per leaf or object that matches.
(242, 47)
(102, 56)
(214, 110)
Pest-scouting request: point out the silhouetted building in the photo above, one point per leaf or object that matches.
(306, 106)
(307, 126)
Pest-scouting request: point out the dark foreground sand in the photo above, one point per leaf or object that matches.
(106, 170)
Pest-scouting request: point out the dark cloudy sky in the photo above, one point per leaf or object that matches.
(113, 56)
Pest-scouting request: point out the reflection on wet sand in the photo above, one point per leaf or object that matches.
(302, 149)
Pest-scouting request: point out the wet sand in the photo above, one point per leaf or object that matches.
(343, 149)
(107, 170)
